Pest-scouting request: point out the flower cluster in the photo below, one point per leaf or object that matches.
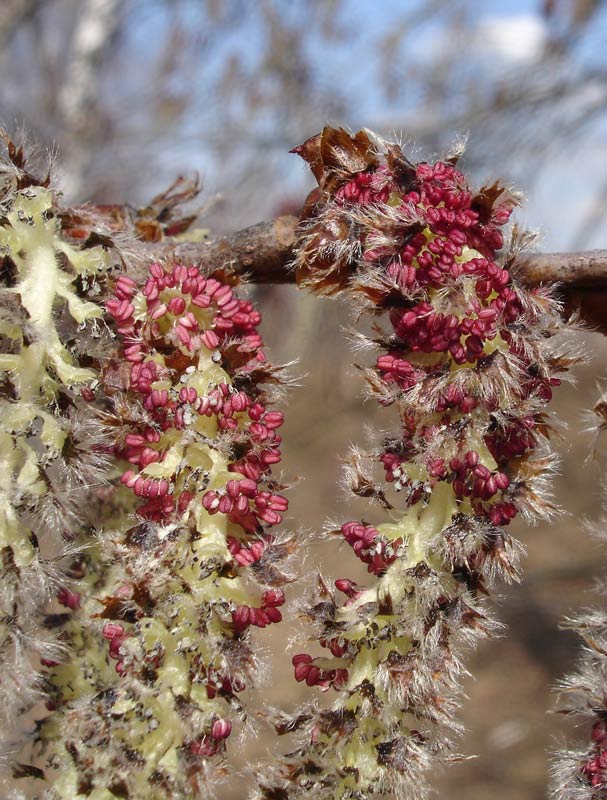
(468, 362)
(160, 649)
(51, 441)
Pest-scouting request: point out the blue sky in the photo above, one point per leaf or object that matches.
(507, 31)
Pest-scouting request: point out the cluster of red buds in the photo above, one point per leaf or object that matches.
(469, 361)
(193, 565)
(595, 767)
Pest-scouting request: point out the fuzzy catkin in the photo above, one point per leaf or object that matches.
(579, 771)
(160, 644)
(468, 361)
(51, 443)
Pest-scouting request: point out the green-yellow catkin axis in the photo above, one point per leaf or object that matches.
(47, 460)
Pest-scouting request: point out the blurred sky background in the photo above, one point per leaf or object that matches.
(131, 93)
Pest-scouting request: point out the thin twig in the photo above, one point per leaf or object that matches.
(263, 254)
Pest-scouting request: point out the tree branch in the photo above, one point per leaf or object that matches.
(263, 253)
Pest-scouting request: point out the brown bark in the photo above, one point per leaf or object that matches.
(263, 254)
(264, 251)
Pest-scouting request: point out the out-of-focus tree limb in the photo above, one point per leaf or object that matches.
(96, 23)
(13, 13)
(581, 279)
(574, 271)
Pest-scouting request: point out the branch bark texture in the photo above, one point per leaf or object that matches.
(264, 252)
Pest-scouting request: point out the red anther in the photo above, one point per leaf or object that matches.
(188, 321)
(87, 394)
(220, 292)
(204, 406)
(159, 397)
(111, 631)
(225, 299)
(176, 305)
(467, 405)
(313, 675)
(148, 456)
(278, 503)
(185, 499)
(270, 517)
(273, 614)
(273, 419)
(233, 488)
(257, 549)
(472, 458)
(273, 597)
(340, 679)
(348, 587)
(247, 487)
(240, 402)
(244, 557)
(68, 598)
(183, 335)
(256, 411)
(207, 747)
(128, 478)
(259, 617)
(210, 501)
(336, 648)
(270, 456)
(221, 729)
(134, 353)
(241, 504)
(241, 617)
(125, 287)
(159, 311)
(210, 339)
(592, 766)
(502, 480)
(226, 504)
(474, 344)
(303, 665)
(436, 467)
(201, 301)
